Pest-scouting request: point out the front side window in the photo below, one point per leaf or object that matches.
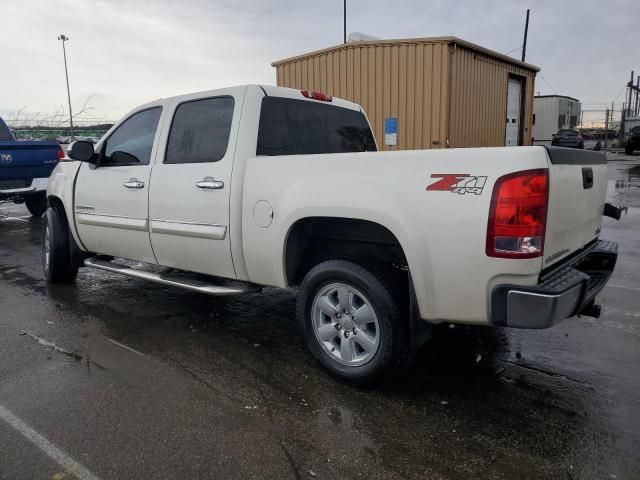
(200, 131)
(132, 142)
(297, 127)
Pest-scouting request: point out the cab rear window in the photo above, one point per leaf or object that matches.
(295, 127)
(568, 133)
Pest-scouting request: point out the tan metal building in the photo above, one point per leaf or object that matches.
(444, 92)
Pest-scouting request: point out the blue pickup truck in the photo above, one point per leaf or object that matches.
(24, 170)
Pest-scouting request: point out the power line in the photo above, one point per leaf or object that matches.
(514, 50)
(542, 77)
(549, 85)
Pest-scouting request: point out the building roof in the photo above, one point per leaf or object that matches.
(557, 96)
(405, 41)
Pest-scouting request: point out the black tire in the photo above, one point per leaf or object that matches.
(36, 203)
(392, 353)
(57, 265)
(628, 150)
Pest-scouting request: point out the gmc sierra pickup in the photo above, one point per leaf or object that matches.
(24, 170)
(224, 191)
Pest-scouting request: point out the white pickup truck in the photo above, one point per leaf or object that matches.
(228, 190)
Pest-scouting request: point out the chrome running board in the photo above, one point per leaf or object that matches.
(174, 279)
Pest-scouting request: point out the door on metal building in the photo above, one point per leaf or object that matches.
(514, 89)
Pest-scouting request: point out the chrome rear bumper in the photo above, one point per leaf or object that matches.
(37, 185)
(564, 291)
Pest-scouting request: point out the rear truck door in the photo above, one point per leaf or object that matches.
(112, 198)
(191, 185)
(577, 191)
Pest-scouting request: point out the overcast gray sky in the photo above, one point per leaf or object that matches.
(127, 52)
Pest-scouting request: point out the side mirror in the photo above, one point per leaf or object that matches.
(82, 151)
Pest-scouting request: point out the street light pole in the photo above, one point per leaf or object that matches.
(64, 38)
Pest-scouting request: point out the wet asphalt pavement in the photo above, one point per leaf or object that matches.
(134, 380)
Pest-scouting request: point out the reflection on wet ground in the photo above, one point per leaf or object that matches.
(143, 381)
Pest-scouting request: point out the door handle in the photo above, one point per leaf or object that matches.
(210, 183)
(133, 183)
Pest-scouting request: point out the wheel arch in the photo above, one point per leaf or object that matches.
(56, 202)
(308, 239)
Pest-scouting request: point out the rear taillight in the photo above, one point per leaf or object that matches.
(580, 138)
(323, 97)
(60, 153)
(518, 215)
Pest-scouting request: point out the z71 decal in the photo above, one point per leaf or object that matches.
(459, 183)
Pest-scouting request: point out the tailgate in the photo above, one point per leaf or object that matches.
(577, 191)
(27, 160)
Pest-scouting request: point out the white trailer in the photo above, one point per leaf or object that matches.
(552, 113)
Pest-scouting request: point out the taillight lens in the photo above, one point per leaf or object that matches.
(518, 215)
(323, 97)
(60, 153)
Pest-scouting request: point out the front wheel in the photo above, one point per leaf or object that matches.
(351, 323)
(56, 252)
(36, 203)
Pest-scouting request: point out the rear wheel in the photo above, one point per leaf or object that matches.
(56, 249)
(36, 203)
(351, 323)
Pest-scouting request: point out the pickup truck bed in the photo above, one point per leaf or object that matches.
(25, 168)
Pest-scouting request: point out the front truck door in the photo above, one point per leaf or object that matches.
(112, 198)
(190, 187)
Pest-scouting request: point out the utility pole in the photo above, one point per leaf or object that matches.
(637, 99)
(630, 90)
(606, 129)
(64, 38)
(526, 31)
(344, 23)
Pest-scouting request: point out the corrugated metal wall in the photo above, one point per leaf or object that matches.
(406, 81)
(479, 99)
(437, 90)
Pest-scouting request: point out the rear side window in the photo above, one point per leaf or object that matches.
(200, 131)
(295, 127)
(132, 141)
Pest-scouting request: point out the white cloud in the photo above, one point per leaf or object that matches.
(127, 52)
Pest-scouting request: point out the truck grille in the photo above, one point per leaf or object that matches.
(13, 184)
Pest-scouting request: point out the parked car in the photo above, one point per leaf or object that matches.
(25, 167)
(567, 138)
(257, 185)
(633, 143)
